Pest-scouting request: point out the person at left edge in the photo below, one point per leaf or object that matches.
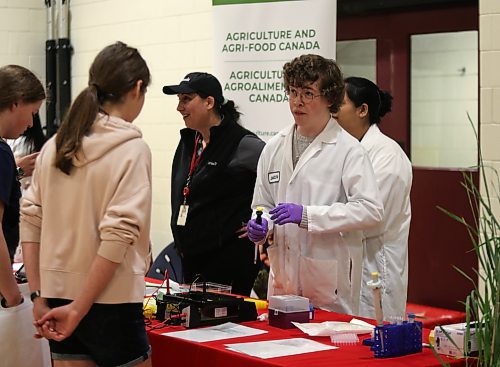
(213, 175)
(21, 95)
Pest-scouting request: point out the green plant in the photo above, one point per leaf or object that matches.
(482, 305)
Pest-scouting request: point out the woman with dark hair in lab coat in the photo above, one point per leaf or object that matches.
(386, 245)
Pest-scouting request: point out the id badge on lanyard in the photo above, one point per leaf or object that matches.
(183, 213)
(195, 159)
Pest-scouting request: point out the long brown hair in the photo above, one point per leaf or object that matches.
(114, 72)
(18, 84)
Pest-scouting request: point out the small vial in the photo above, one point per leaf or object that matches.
(311, 311)
(411, 317)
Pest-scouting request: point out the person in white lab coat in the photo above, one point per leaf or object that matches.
(386, 245)
(316, 185)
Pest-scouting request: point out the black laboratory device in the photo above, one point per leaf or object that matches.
(210, 308)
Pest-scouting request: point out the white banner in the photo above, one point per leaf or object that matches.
(254, 39)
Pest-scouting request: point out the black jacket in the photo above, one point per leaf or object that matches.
(221, 188)
(10, 193)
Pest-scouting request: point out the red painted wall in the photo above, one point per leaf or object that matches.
(436, 241)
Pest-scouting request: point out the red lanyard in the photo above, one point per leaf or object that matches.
(194, 163)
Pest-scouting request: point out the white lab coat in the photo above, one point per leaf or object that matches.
(386, 245)
(334, 180)
(18, 347)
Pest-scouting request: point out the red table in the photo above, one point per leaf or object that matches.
(177, 352)
(433, 316)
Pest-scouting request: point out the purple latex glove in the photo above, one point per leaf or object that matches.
(257, 232)
(287, 213)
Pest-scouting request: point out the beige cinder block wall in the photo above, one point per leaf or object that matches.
(489, 83)
(23, 34)
(174, 37)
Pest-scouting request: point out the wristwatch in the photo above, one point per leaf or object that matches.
(34, 295)
(20, 173)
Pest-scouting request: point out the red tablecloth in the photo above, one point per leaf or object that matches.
(177, 352)
(433, 316)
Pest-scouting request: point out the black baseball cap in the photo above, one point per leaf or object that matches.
(197, 82)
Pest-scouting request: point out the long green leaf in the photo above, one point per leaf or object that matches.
(482, 305)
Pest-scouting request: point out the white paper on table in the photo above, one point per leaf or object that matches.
(362, 323)
(225, 331)
(329, 328)
(279, 348)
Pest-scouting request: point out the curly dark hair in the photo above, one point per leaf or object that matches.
(307, 69)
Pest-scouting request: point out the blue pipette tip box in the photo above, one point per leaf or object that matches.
(394, 340)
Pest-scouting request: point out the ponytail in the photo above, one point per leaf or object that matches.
(226, 108)
(385, 103)
(362, 90)
(114, 72)
(75, 126)
(229, 110)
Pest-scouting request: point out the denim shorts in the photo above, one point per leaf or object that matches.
(111, 335)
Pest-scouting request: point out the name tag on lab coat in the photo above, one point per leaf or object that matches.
(273, 177)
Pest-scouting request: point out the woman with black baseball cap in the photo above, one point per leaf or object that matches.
(213, 175)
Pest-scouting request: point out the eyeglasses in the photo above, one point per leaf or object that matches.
(306, 96)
